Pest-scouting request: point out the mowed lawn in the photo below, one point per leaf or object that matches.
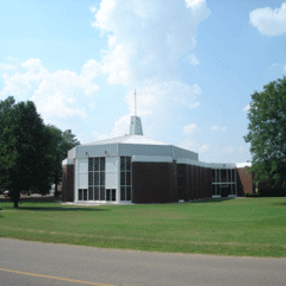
(242, 226)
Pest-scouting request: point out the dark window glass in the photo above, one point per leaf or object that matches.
(122, 193)
(122, 163)
(113, 195)
(96, 193)
(80, 194)
(96, 178)
(213, 175)
(128, 193)
(96, 164)
(102, 178)
(90, 164)
(218, 190)
(122, 178)
(213, 189)
(128, 178)
(85, 194)
(128, 163)
(108, 194)
(90, 178)
(102, 164)
(102, 193)
(217, 176)
(90, 193)
(223, 175)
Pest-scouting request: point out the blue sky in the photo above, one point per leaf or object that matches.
(194, 64)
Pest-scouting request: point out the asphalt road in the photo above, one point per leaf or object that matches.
(34, 263)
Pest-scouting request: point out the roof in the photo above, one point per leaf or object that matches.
(129, 139)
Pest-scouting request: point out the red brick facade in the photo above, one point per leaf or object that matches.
(68, 183)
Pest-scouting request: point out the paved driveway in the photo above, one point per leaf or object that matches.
(34, 263)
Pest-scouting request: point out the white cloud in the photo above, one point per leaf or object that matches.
(190, 128)
(150, 40)
(7, 67)
(11, 58)
(246, 108)
(55, 94)
(275, 65)
(204, 148)
(158, 105)
(229, 149)
(192, 59)
(217, 128)
(270, 22)
(187, 144)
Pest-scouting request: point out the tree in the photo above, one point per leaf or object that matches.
(25, 162)
(267, 133)
(61, 143)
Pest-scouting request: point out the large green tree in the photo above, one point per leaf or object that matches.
(267, 133)
(25, 162)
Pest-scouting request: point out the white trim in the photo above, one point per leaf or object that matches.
(68, 161)
(232, 196)
(193, 162)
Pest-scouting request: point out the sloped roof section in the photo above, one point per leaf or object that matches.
(129, 139)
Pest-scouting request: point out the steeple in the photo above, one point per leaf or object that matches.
(135, 124)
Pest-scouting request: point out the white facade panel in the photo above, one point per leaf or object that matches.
(83, 165)
(111, 164)
(111, 180)
(83, 181)
(81, 174)
(111, 173)
(159, 159)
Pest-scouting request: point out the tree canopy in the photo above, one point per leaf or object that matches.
(267, 133)
(30, 152)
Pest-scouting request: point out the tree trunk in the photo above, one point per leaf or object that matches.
(15, 204)
(15, 197)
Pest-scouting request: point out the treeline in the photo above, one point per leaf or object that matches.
(31, 152)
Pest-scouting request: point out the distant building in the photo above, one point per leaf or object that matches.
(137, 169)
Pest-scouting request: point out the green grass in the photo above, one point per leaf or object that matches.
(242, 226)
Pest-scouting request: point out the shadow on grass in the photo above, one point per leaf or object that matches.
(61, 209)
(211, 201)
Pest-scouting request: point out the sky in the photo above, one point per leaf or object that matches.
(194, 65)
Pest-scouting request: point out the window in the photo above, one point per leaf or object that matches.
(96, 179)
(125, 179)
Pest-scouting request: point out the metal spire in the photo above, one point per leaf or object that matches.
(135, 103)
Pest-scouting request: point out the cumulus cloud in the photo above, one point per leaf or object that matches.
(7, 67)
(189, 129)
(55, 94)
(188, 144)
(270, 22)
(204, 148)
(192, 59)
(217, 128)
(246, 108)
(158, 104)
(148, 42)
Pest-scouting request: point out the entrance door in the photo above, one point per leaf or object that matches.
(110, 195)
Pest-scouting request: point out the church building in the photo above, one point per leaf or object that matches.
(136, 169)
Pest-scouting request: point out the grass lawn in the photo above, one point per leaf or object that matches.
(242, 226)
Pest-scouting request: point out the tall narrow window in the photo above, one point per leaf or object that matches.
(125, 179)
(96, 179)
